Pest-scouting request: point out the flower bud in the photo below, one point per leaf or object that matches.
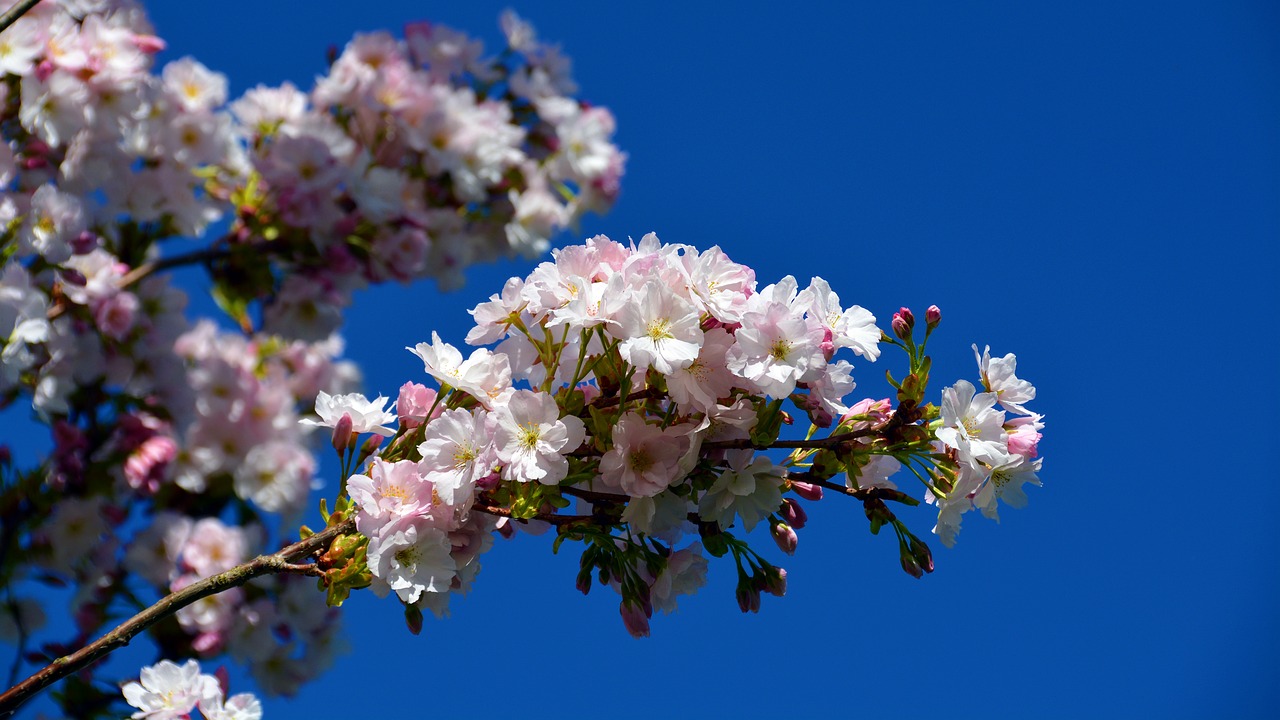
(413, 618)
(901, 327)
(488, 482)
(795, 515)
(908, 316)
(748, 598)
(909, 565)
(342, 435)
(808, 491)
(785, 537)
(932, 317)
(370, 446)
(634, 619)
(775, 582)
(84, 243)
(505, 528)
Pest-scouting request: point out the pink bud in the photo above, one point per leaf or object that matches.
(776, 583)
(808, 491)
(634, 618)
(932, 317)
(900, 327)
(342, 435)
(908, 316)
(785, 537)
(488, 482)
(84, 243)
(748, 598)
(149, 44)
(505, 528)
(793, 513)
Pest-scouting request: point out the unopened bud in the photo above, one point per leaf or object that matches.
(795, 515)
(370, 446)
(71, 276)
(922, 555)
(901, 327)
(634, 619)
(413, 618)
(84, 243)
(785, 537)
(342, 435)
(748, 598)
(808, 491)
(775, 582)
(932, 317)
(910, 566)
(488, 482)
(906, 314)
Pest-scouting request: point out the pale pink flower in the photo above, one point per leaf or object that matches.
(166, 691)
(456, 451)
(775, 349)
(699, 385)
(644, 459)
(658, 329)
(410, 559)
(214, 547)
(367, 416)
(971, 424)
(530, 437)
(750, 488)
(390, 492)
(999, 376)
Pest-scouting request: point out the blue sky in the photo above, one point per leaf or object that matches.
(1093, 187)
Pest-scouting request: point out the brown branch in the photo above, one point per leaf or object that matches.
(552, 518)
(864, 494)
(605, 402)
(18, 10)
(819, 444)
(283, 561)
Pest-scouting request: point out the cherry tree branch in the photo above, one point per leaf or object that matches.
(284, 561)
(18, 10)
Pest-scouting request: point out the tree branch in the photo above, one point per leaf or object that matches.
(818, 444)
(18, 10)
(283, 561)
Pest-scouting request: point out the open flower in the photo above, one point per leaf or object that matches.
(367, 416)
(531, 436)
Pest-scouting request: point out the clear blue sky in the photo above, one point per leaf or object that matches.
(1093, 187)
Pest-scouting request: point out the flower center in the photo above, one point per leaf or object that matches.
(639, 461)
(528, 437)
(659, 329)
(971, 427)
(408, 557)
(462, 456)
(780, 349)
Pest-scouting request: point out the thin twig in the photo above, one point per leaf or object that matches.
(12, 14)
(283, 561)
(150, 268)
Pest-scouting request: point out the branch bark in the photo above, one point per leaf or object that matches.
(12, 14)
(284, 561)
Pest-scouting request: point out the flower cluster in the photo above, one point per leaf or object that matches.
(411, 158)
(415, 158)
(643, 383)
(168, 691)
(995, 451)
